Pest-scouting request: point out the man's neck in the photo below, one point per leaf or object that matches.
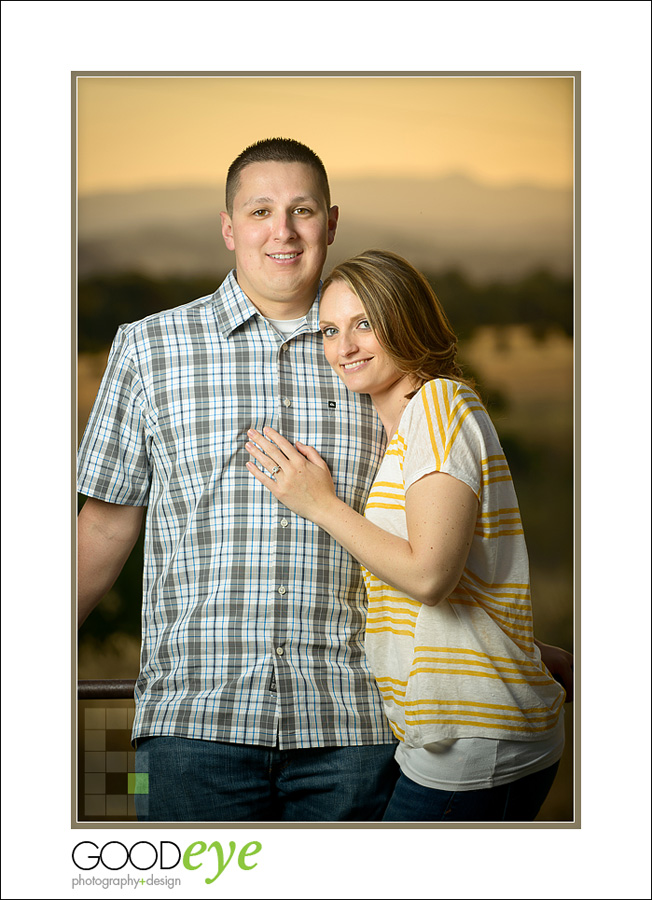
(285, 308)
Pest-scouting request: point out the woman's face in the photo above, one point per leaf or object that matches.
(351, 346)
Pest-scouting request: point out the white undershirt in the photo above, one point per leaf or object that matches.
(472, 764)
(286, 327)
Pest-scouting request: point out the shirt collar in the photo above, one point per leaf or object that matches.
(233, 307)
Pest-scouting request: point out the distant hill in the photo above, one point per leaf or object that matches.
(453, 222)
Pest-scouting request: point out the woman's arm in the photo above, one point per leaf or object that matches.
(441, 515)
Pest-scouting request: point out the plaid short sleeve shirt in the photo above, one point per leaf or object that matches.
(253, 618)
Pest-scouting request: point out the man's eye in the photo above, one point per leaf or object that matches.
(302, 211)
(260, 213)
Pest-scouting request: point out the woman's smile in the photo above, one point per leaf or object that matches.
(350, 366)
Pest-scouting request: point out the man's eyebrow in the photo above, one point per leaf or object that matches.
(257, 201)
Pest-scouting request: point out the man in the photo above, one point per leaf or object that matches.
(254, 700)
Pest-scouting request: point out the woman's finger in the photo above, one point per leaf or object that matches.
(267, 460)
(266, 444)
(282, 443)
(262, 477)
(311, 454)
(268, 447)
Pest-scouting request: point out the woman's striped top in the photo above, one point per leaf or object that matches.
(467, 667)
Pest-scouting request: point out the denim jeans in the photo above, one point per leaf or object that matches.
(518, 801)
(207, 781)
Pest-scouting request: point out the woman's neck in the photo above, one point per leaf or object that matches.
(390, 404)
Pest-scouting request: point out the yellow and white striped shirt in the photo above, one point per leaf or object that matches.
(469, 666)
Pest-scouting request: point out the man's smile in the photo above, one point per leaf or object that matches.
(283, 256)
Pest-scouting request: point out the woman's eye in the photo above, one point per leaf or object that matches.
(328, 332)
(364, 323)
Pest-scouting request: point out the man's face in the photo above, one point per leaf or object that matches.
(280, 230)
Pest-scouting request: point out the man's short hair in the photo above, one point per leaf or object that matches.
(283, 150)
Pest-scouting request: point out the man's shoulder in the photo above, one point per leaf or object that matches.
(208, 310)
(168, 317)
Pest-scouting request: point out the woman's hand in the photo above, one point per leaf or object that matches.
(297, 476)
(441, 514)
(560, 664)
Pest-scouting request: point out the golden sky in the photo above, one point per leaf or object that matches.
(154, 132)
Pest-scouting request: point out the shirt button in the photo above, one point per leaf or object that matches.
(282, 590)
(284, 347)
(287, 401)
(279, 651)
(284, 523)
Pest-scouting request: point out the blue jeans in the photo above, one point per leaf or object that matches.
(208, 781)
(518, 801)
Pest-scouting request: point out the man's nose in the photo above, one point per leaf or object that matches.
(284, 227)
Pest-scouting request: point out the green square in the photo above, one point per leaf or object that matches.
(138, 782)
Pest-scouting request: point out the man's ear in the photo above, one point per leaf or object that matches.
(333, 216)
(227, 231)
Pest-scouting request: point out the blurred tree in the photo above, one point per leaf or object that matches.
(542, 301)
(108, 301)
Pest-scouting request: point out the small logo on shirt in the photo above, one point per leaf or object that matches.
(332, 404)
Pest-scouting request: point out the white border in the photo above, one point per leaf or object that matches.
(609, 44)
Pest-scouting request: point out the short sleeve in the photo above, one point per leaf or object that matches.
(113, 460)
(443, 433)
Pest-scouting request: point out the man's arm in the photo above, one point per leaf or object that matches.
(106, 534)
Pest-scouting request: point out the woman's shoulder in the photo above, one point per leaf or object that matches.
(441, 430)
(446, 390)
(441, 404)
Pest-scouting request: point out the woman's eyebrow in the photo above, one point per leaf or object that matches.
(350, 319)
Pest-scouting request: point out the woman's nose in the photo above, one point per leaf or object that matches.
(346, 344)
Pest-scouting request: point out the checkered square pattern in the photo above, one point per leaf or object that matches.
(107, 776)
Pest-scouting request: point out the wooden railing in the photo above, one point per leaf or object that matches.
(106, 689)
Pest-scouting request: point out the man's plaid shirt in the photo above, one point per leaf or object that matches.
(253, 618)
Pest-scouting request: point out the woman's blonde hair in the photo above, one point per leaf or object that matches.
(405, 314)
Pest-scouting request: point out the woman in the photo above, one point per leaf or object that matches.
(449, 627)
